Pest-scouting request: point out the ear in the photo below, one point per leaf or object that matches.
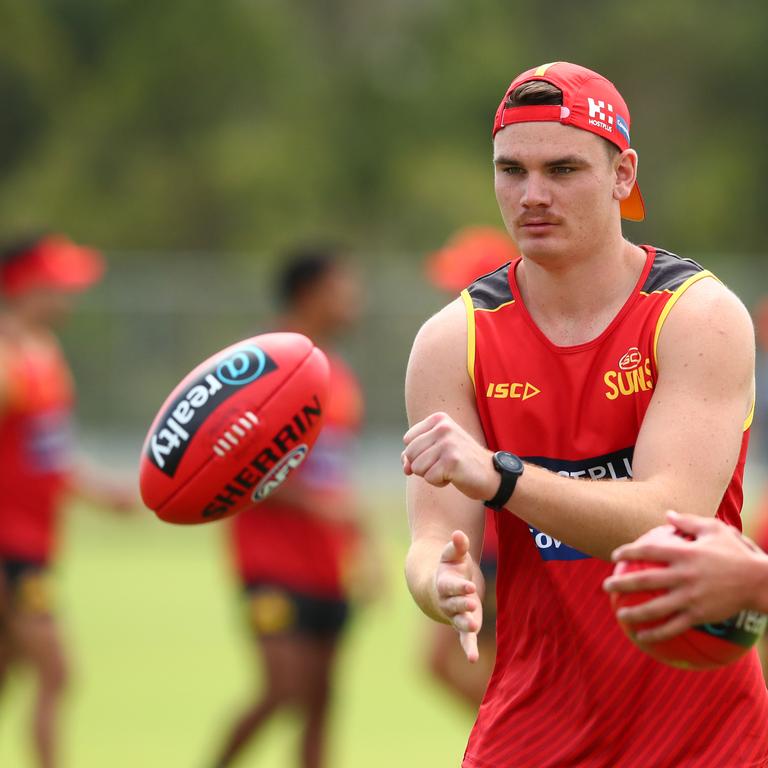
(625, 168)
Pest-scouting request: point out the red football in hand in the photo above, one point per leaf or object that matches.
(234, 428)
(702, 647)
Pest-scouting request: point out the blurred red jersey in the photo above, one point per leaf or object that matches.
(35, 447)
(280, 543)
(568, 687)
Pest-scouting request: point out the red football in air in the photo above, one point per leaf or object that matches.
(703, 647)
(234, 428)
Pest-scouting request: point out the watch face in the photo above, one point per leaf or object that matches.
(509, 462)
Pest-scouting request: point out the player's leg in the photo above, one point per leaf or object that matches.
(322, 622)
(5, 623)
(296, 666)
(37, 641)
(278, 657)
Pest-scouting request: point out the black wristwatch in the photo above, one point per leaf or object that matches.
(510, 467)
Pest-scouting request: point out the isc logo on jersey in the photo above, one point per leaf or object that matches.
(513, 390)
(633, 376)
(184, 416)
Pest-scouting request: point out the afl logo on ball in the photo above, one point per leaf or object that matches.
(279, 473)
(180, 421)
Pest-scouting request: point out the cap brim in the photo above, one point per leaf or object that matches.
(633, 208)
(71, 267)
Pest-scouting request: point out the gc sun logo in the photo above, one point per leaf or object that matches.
(631, 359)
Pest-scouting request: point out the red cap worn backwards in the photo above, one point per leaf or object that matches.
(590, 102)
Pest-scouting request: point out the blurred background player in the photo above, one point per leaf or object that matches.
(759, 525)
(293, 552)
(38, 277)
(469, 254)
(760, 424)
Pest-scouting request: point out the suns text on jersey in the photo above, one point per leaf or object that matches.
(628, 382)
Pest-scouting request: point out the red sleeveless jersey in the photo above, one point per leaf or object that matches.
(569, 689)
(278, 543)
(35, 448)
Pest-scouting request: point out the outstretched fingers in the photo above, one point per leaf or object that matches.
(456, 549)
(675, 626)
(656, 609)
(657, 550)
(635, 581)
(695, 525)
(468, 642)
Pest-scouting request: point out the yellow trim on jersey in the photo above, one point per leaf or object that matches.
(470, 335)
(668, 308)
(671, 303)
(542, 70)
(750, 416)
(495, 309)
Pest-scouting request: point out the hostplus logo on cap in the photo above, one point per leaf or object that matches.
(600, 114)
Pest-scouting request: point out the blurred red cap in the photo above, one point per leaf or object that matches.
(470, 253)
(52, 261)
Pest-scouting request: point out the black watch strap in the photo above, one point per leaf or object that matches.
(510, 467)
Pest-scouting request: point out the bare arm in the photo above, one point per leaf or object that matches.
(685, 453)
(437, 379)
(104, 487)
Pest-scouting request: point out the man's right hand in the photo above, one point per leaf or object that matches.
(457, 596)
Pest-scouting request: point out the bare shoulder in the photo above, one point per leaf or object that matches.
(711, 302)
(708, 339)
(442, 334)
(709, 313)
(437, 378)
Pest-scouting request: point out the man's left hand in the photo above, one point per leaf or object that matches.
(443, 453)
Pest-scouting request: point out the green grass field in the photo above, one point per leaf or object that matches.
(161, 660)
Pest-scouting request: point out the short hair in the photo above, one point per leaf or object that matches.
(18, 247)
(534, 92)
(303, 268)
(540, 92)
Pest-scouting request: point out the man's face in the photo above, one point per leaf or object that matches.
(555, 187)
(337, 299)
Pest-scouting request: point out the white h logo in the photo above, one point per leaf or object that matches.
(596, 110)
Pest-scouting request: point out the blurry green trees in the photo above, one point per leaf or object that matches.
(242, 124)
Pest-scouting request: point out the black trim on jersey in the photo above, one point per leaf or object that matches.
(611, 466)
(492, 290)
(669, 272)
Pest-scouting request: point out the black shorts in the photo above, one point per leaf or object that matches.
(274, 610)
(26, 584)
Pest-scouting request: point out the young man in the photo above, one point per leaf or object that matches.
(293, 552)
(709, 579)
(37, 469)
(581, 391)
